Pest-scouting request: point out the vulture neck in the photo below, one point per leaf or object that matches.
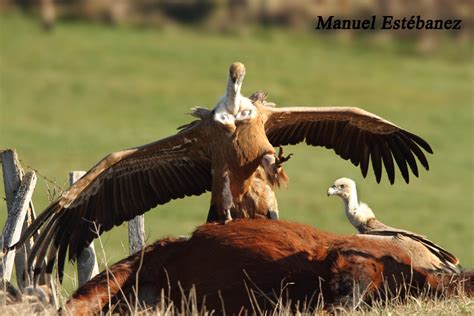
(351, 203)
(233, 97)
(357, 213)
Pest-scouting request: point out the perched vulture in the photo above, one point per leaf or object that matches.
(423, 251)
(228, 151)
(255, 265)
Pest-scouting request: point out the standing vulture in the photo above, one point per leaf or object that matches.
(228, 151)
(423, 252)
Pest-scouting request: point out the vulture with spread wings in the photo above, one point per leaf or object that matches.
(228, 151)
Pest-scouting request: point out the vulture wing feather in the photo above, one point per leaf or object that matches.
(118, 188)
(354, 134)
(441, 253)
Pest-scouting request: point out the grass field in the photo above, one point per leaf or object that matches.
(82, 91)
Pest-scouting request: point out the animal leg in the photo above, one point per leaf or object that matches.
(212, 214)
(271, 202)
(272, 215)
(227, 201)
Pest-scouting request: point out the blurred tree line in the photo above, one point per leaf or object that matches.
(233, 15)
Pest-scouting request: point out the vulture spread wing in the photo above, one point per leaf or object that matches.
(121, 186)
(353, 133)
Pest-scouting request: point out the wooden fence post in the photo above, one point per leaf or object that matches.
(87, 266)
(14, 225)
(12, 177)
(136, 234)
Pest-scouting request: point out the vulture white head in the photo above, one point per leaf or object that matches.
(233, 106)
(357, 213)
(233, 97)
(236, 76)
(344, 187)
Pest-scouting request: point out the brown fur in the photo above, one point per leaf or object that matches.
(224, 262)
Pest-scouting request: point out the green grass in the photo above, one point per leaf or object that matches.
(70, 97)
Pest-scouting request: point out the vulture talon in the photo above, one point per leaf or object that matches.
(228, 217)
(272, 215)
(280, 159)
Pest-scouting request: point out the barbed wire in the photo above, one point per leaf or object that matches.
(53, 182)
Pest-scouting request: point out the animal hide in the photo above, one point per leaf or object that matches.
(246, 262)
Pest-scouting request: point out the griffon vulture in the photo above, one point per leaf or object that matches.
(230, 155)
(423, 251)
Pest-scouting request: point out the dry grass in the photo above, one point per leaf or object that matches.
(423, 305)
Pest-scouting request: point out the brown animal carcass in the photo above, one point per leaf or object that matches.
(247, 262)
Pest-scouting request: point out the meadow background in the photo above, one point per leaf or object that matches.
(70, 96)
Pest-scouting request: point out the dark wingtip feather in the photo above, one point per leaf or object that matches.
(421, 142)
(424, 162)
(391, 175)
(365, 153)
(406, 146)
(37, 224)
(364, 168)
(376, 161)
(392, 180)
(416, 150)
(387, 161)
(399, 159)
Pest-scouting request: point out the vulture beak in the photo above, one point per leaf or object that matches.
(332, 190)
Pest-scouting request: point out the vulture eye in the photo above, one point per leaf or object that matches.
(341, 186)
(246, 112)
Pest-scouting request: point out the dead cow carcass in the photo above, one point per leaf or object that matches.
(225, 264)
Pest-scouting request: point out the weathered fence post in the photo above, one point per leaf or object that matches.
(18, 196)
(12, 177)
(136, 234)
(14, 224)
(87, 266)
